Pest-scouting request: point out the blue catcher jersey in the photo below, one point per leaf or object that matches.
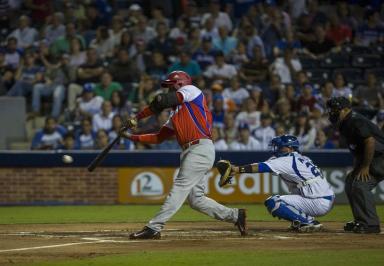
(301, 175)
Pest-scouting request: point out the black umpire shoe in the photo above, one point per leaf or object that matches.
(366, 229)
(146, 233)
(242, 222)
(348, 227)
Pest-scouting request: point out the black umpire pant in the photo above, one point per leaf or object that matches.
(360, 196)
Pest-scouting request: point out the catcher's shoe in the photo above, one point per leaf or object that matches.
(297, 226)
(242, 222)
(146, 233)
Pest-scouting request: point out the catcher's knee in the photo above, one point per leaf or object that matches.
(272, 203)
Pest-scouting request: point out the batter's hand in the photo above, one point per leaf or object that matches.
(131, 123)
(363, 174)
(124, 133)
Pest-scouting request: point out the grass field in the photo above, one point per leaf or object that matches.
(262, 248)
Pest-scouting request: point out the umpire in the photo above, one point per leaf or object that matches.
(366, 143)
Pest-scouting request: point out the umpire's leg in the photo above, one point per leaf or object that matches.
(360, 196)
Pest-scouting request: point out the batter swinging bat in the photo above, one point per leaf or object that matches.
(99, 158)
(130, 123)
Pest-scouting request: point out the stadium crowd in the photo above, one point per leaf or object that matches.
(266, 67)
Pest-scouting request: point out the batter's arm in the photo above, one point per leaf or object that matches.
(155, 138)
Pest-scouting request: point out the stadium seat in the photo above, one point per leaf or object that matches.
(353, 49)
(365, 60)
(351, 75)
(318, 75)
(335, 61)
(379, 72)
(307, 62)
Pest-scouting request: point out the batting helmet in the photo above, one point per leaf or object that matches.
(180, 78)
(284, 141)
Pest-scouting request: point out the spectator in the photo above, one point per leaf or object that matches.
(119, 105)
(304, 132)
(317, 16)
(117, 29)
(90, 72)
(24, 34)
(322, 141)
(380, 119)
(69, 142)
(265, 132)
(145, 92)
(306, 101)
(250, 116)
(239, 56)
(178, 32)
(220, 71)
(230, 128)
(77, 56)
(218, 112)
(220, 19)
(191, 15)
(326, 92)
(253, 40)
(107, 86)
(321, 45)
(286, 67)
(85, 138)
(161, 42)
(40, 10)
(123, 144)
(186, 64)
(26, 76)
(62, 44)
(218, 141)
(256, 94)
(209, 29)
(341, 89)
(337, 32)
(284, 115)
(343, 12)
(50, 137)
(12, 54)
(56, 28)
(124, 70)
(89, 104)
(142, 31)
(101, 139)
(245, 141)
(103, 43)
(371, 32)
(371, 95)
(224, 42)
(103, 120)
(289, 41)
(94, 18)
(126, 43)
(236, 92)
(274, 89)
(51, 85)
(205, 56)
(158, 17)
(157, 68)
(256, 70)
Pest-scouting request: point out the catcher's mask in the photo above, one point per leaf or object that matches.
(179, 78)
(279, 142)
(335, 105)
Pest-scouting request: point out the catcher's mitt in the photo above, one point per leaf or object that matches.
(224, 168)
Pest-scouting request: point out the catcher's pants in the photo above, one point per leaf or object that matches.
(196, 161)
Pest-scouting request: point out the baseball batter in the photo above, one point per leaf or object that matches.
(311, 194)
(191, 122)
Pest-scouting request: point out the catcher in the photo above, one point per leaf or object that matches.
(311, 194)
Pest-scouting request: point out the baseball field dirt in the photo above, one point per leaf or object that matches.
(48, 244)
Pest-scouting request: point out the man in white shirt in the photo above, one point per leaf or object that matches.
(235, 92)
(251, 116)
(286, 67)
(220, 71)
(25, 35)
(246, 142)
(264, 133)
(220, 18)
(89, 104)
(103, 120)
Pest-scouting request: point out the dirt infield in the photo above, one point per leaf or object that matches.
(41, 242)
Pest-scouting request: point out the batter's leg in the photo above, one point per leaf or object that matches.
(198, 201)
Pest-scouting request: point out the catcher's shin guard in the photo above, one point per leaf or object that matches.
(282, 210)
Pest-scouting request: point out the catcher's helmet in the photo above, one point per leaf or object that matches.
(284, 141)
(180, 78)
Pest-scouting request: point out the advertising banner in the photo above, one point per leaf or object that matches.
(152, 184)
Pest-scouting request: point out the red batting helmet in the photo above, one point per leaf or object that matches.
(177, 78)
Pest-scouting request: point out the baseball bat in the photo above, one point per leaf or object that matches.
(100, 157)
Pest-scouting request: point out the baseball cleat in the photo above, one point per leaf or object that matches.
(348, 227)
(297, 226)
(366, 229)
(242, 222)
(146, 233)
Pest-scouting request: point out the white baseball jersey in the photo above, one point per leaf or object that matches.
(294, 169)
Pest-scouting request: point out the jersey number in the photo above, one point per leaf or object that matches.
(315, 171)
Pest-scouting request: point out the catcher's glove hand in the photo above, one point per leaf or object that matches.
(225, 169)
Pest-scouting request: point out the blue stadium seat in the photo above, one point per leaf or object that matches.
(307, 62)
(353, 49)
(318, 75)
(366, 60)
(335, 61)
